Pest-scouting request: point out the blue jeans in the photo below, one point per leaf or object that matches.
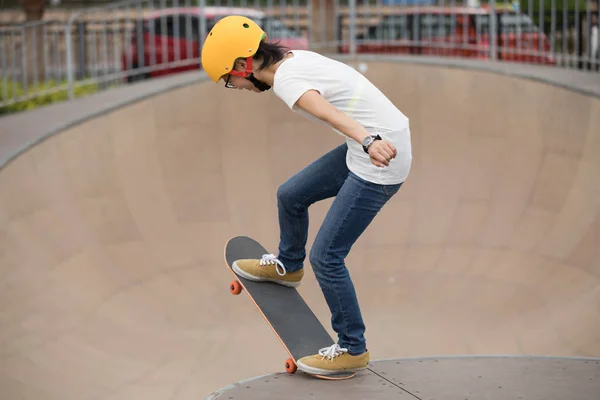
(356, 204)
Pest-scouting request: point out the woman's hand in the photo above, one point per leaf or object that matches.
(382, 152)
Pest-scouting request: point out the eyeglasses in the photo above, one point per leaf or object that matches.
(229, 85)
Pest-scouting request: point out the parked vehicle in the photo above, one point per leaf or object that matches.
(455, 32)
(168, 41)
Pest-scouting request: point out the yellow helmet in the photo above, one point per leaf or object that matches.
(232, 37)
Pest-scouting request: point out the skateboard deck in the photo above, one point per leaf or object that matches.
(293, 322)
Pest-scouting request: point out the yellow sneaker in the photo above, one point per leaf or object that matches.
(268, 268)
(332, 360)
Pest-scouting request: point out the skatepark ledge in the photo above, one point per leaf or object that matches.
(470, 377)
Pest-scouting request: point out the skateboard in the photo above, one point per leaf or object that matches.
(293, 322)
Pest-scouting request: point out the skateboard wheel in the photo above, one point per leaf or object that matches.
(290, 366)
(235, 287)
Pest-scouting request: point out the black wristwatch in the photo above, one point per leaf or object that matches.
(368, 141)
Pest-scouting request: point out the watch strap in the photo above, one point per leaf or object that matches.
(375, 137)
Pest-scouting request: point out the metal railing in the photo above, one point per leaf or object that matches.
(32, 61)
(97, 48)
(562, 38)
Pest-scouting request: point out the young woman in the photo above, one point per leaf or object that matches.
(362, 174)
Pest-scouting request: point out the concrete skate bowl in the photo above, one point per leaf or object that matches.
(113, 281)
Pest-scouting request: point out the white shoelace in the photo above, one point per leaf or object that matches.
(332, 351)
(270, 259)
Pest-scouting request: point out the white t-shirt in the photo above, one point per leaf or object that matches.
(352, 93)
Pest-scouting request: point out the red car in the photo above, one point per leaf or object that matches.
(455, 32)
(168, 41)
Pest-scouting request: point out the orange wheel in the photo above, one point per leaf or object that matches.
(290, 366)
(235, 287)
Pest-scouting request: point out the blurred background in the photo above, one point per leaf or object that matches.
(59, 49)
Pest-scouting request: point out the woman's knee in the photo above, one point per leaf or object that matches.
(287, 194)
(323, 257)
(317, 257)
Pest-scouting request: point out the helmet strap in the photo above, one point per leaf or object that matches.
(250, 76)
(246, 72)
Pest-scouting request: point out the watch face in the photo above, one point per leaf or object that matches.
(368, 140)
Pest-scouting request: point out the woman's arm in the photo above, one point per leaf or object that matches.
(315, 104)
(381, 151)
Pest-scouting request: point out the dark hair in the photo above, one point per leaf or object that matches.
(269, 54)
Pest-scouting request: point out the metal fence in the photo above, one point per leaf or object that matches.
(118, 43)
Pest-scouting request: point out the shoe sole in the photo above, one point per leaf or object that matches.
(250, 277)
(325, 372)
